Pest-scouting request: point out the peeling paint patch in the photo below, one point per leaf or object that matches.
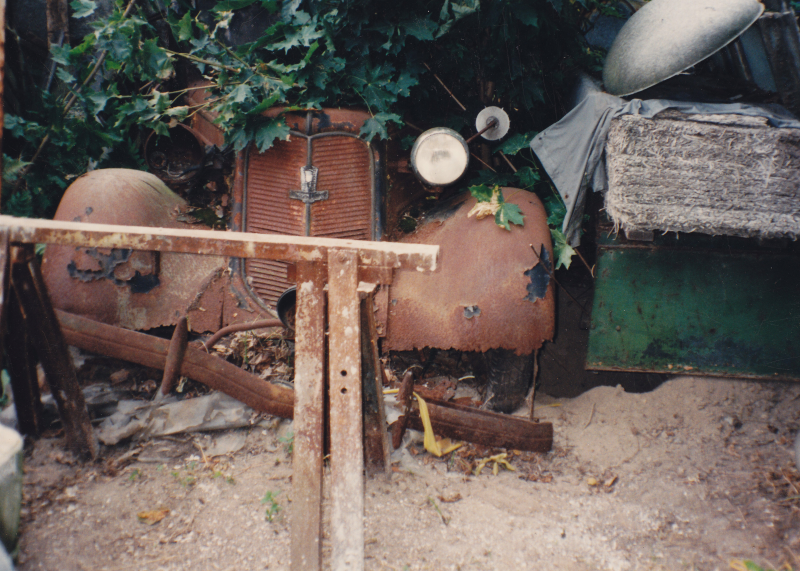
(108, 263)
(539, 276)
(471, 311)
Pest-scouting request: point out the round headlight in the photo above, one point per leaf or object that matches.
(439, 156)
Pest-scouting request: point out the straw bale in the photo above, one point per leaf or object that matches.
(715, 174)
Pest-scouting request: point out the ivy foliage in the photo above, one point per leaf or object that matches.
(130, 74)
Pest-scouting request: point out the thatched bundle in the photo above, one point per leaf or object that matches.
(715, 174)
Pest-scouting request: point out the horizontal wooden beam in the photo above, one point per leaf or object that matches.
(294, 249)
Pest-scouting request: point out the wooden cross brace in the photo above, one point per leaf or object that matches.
(341, 264)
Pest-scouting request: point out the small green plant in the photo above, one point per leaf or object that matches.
(185, 480)
(229, 479)
(288, 443)
(747, 565)
(273, 507)
(135, 475)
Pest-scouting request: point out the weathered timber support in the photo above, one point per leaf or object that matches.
(42, 326)
(376, 438)
(22, 370)
(309, 389)
(347, 453)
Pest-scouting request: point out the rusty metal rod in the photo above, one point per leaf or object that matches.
(263, 324)
(491, 123)
(175, 354)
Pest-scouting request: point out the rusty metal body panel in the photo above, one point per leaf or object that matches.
(483, 295)
(133, 289)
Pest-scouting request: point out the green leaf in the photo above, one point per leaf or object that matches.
(421, 28)
(64, 75)
(482, 192)
(509, 213)
(556, 211)
(83, 8)
(240, 93)
(87, 43)
(15, 125)
(563, 252)
(228, 5)
(60, 54)
(185, 28)
(377, 125)
(267, 134)
(528, 177)
(513, 144)
(99, 100)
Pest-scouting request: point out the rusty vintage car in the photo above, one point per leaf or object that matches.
(491, 296)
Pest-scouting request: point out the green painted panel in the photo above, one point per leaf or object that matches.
(713, 312)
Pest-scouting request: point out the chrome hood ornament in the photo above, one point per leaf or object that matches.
(666, 37)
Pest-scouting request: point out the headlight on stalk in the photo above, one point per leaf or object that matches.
(439, 156)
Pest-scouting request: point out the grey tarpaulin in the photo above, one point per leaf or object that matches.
(572, 150)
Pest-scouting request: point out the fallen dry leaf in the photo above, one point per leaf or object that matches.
(152, 517)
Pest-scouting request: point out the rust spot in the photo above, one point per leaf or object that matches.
(539, 276)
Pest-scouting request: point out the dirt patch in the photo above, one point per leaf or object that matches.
(692, 475)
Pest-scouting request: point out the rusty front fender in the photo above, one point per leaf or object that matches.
(491, 291)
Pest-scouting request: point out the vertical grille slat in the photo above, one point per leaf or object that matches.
(344, 171)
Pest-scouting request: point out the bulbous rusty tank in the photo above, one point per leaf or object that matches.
(491, 290)
(136, 290)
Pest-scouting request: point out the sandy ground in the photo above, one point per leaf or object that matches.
(693, 475)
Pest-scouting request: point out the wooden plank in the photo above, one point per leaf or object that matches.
(376, 438)
(296, 249)
(347, 454)
(309, 391)
(21, 365)
(42, 326)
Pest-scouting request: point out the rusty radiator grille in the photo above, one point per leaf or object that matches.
(344, 171)
(269, 210)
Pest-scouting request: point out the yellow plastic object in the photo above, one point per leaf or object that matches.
(436, 447)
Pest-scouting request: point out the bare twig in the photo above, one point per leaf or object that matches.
(477, 158)
(505, 158)
(445, 87)
(585, 263)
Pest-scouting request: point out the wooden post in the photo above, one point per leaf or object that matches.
(42, 326)
(309, 391)
(376, 439)
(347, 453)
(22, 370)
